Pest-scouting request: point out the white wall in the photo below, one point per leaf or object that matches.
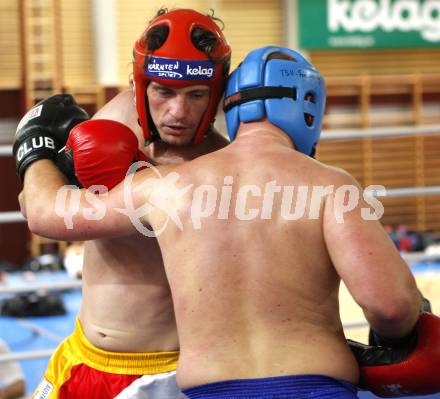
(104, 29)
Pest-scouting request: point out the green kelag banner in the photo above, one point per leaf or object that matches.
(326, 24)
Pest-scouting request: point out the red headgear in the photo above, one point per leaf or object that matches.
(178, 63)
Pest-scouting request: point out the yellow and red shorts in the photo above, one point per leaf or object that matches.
(79, 370)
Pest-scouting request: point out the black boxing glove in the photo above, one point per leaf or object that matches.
(406, 343)
(426, 305)
(44, 130)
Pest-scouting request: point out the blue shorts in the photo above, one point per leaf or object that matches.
(285, 387)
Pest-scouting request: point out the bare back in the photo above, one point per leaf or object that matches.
(255, 264)
(127, 303)
(259, 297)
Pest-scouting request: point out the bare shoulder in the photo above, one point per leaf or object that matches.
(216, 141)
(336, 176)
(120, 108)
(163, 174)
(162, 186)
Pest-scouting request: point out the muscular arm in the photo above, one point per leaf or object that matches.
(42, 183)
(376, 276)
(120, 108)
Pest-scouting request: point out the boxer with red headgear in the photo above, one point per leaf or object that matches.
(180, 65)
(179, 61)
(126, 325)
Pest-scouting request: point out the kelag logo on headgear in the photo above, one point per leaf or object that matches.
(168, 68)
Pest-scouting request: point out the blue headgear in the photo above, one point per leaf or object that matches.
(289, 93)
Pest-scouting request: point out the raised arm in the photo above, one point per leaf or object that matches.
(97, 152)
(56, 211)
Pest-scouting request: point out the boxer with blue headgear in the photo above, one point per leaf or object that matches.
(289, 92)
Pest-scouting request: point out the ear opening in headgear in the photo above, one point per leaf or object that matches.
(310, 97)
(156, 36)
(204, 40)
(308, 118)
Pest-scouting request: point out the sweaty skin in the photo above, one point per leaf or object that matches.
(258, 297)
(126, 305)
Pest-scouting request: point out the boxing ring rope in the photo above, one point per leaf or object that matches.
(16, 217)
(11, 217)
(46, 286)
(36, 329)
(382, 132)
(343, 134)
(5, 150)
(414, 257)
(26, 355)
(412, 191)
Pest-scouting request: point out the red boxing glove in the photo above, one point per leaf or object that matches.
(392, 372)
(100, 152)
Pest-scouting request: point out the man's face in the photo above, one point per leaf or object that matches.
(177, 112)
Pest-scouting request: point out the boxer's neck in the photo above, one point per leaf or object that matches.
(264, 132)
